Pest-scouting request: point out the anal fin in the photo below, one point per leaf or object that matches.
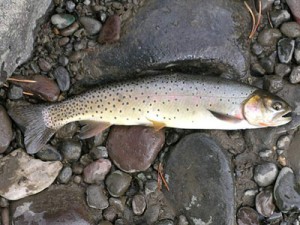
(92, 128)
(157, 125)
(225, 117)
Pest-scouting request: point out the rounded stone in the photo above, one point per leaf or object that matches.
(283, 142)
(44, 65)
(68, 31)
(65, 175)
(99, 152)
(62, 77)
(285, 49)
(96, 197)
(70, 6)
(6, 133)
(265, 174)
(63, 60)
(138, 204)
(290, 29)
(110, 213)
(96, 171)
(295, 75)
(247, 216)
(91, 25)
(269, 36)
(282, 69)
(71, 150)
(49, 153)
(134, 148)
(62, 21)
(264, 203)
(117, 183)
(279, 16)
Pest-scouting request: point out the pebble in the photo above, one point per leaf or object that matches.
(86, 159)
(99, 152)
(257, 70)
(65, 175)
(282, 69)
(297, 51)
(77, 179)
(286, 194)
(257, 49)
(110, 31)
(67, 131)
(63, 41)
(15, 92)
(268, 63)
(44, 65)
(283, 142)
(269, 36)
(134, 149)
(62, 21)
(77, 168)
(295, 8)
(290, 29)
(247, 216)
(96, 197)
(91, 25)
(273, 83)
(110, 213)
(22, 175)
(70, 6)
(6, 134)
(286, 49)
(71, 150)
(49, 153)
(152, 213)
(264, 203)
(265, 174)
(70, 30)
(96, 171)
(295, 75)
(76, 56)
(279, 16)
(117, 183)
(138, 204)
(62, 77)
(63, 60)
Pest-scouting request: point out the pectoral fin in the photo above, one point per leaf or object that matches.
(225, 117)
(157, 125)
(92, 128)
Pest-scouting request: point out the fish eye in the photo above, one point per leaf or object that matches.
(277, 106)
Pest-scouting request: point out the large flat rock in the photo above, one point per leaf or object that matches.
(191, 35)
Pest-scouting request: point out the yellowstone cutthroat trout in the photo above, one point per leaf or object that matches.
(179, 101)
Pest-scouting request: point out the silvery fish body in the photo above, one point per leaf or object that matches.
(179, 101)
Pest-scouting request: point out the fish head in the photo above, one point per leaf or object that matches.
(263, 109)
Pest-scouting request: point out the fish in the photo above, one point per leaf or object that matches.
(176, 101)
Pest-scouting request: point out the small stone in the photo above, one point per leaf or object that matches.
(110, 31)
(290, 29)
(70, 6)
(102, 16)
(77, 168)
(96, 197)
(21, 175)
(63, 41)
(62, 77)
(285, 50)
(257, 49)
(264, 203)
(295, 8)
(6, 134)
(268, 63)
(165, 222)
(275, 218)
(295, 75)
(266, 153)
(44, 65)
(96, 171)
(99, 152)
(71, 150)
(65, 175)
(257, 70)
(76, 56)
(77, 179)
(138, 204)
(282, 69)
(279, 16)
(62, 21)
(283, 142)
(269, 36)
(110, 213)
(273, 83)
(118, 203)
(79, 45)
(247, 216)
(297, 51)
(117, 183)
(265, 174)
(15, 92)
(63, 60)
(67, 131)
(150, 187)
(49, 153)
(86, 159)
(91, 25)
(70, 30)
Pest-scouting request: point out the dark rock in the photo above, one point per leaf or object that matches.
(110, 213)
(76, 56)
(264, 203)
(63, 60)
(99, 152)
(286, 193)
(117, 183)
(91, 25)
(96, 171)
(70, 30)
(65, 175)
(273, 83)
(279, 16)
(15, 92)
(134, 148)
(138, 204)
(269, 37)
(297, 51)
(167, 33)
(49, 153)
(285, 50)
(184, 168)
(6, 133)
(62, 21)
(5, 219)
(86, 159)
(63, 41)
(67, 131)
(110, 32)
(77, 168)
(257, 49)
(290, 29)
(62, 77)
(59, 204)
(96, 197)
(268, 63)
(295, 8)
(247, 216)
(44, 65)
(17, 23)
(291, 93)
(282, 69)
(295, 75)
(265, 174)
(257, 70)
(71, 150)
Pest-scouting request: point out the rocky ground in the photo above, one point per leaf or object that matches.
(214, 177)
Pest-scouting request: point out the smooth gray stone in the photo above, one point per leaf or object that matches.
(200, 181)
(210, 36)
(17, 21)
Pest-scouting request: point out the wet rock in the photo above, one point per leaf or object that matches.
(96, 197)
(60, 204)
(279, 16)
(257, 49)
(293, 155)
(65, 175)
(138, 204)
(247, 216)
(172, 40)
(17, 23)
(264, 203)
(290, 29)
(295, 8)
(286, 49)
(273, 83)
(62, 21)
(269, 36)
(22, 175)
(70, 30)
(6, 133)
(117, 183)
(49, 153)
(193, 154)
(91, 25)
(295, 75)
(286, 195)
(134, 148)
(265, 174)
(44, 65)
(111, 30)
(62, 77)
(71, 150)
(96, 171)
(282, 69)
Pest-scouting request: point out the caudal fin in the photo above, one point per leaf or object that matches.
(31, 119)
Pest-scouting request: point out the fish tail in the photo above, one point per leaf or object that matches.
(30, 118)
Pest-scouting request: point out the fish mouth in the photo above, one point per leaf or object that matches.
(284, 117)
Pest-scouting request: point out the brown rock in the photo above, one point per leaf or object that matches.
(134, 148)
(6, 133)
(110, 31)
